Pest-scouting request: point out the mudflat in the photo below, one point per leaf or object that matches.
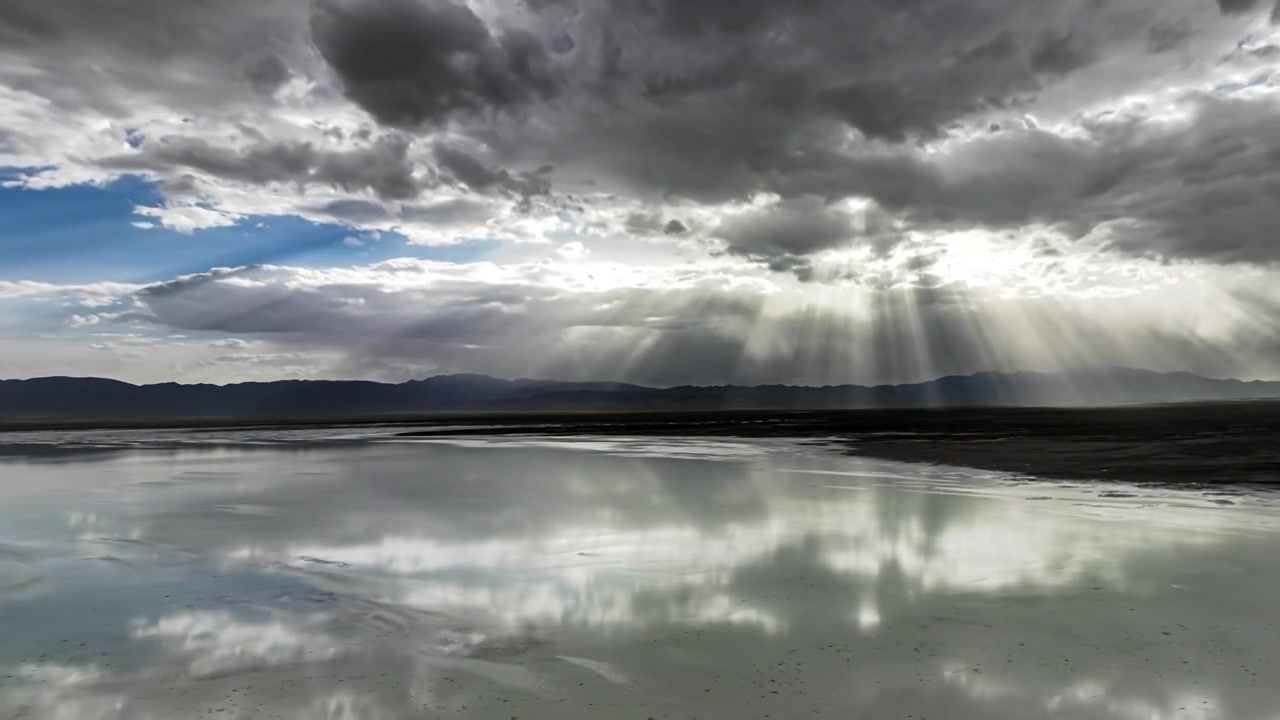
(1185, 444)
(1181, 444)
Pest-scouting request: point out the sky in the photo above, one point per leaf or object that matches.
(654, 191)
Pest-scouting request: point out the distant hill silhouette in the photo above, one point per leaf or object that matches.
(65, 398)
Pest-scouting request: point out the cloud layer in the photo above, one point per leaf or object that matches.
(868, 145)
(403, 319)
(962, 113)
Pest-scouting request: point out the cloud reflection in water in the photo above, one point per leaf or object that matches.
(372, 581)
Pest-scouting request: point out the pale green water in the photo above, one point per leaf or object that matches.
(619, 579)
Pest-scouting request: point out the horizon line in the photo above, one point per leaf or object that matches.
(939, 378)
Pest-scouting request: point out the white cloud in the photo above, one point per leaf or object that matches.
(98, 294)
(80, 321)
(189, 218)
(573, 251)
(233, 343)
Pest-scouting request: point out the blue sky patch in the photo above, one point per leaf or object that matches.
(87, 233)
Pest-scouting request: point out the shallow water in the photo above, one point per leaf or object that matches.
(619, 578)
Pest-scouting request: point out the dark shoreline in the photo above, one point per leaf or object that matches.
(1194, 444)
(1178, 444)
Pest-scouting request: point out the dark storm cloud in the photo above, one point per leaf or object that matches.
(353, 211)
(644, 222)
(454, 211)
(466, 168)
(886, 111)
(704, 101)
(857, 61)
(1062, 54)
(446, 212)
(469, 170)
(719, 101)
(267, 74)
(383, 166)
(782, 235)
(193, 54)
(1235, 7)
(1167, 35)
(409, 62)
(1206, 186)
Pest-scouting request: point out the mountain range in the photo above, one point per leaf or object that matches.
(86, 399)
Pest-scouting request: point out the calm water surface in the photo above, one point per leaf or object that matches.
(620, 578)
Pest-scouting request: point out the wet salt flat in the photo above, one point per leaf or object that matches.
(619, 578)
